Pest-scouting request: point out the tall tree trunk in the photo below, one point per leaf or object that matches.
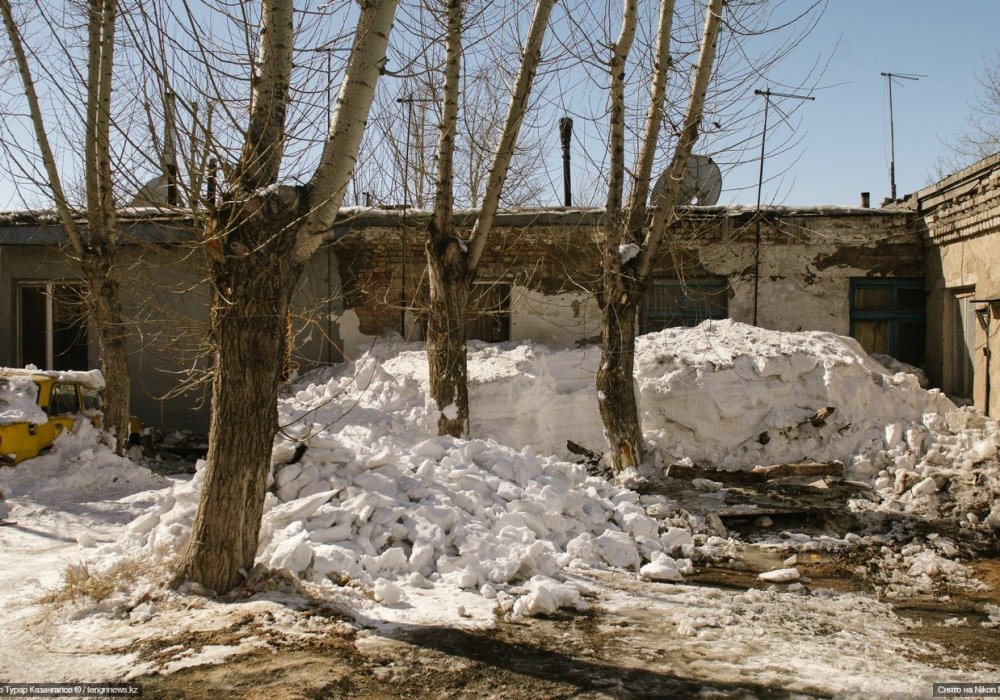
(623, 284)
(97, 253)
(105, 310)
(447, 263)
(452, 267)
(258, 243)
(249, 310)
(447, 356)
(616, 386)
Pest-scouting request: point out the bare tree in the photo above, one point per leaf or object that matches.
(630, 246)
(258, 239)
(452, 262)
(94, 244)
(981, 135)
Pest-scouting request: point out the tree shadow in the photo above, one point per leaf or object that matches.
(539, 661)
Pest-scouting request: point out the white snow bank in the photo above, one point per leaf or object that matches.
(736, 396)
(375, 499)
(19, 401)
(79, 468)
(723, 393)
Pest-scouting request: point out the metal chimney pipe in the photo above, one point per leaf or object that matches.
(566, 135)
(169, 148)
(866, 200)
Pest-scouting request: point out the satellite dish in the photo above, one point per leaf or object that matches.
(702, 183)
(153, 193)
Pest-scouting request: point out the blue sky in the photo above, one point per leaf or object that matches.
(844, 149)
(842, 138)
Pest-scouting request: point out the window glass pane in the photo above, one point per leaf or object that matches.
(910, 342)
(671, 303)
(91, 399)
(69, 328)
(873, 335)
(63, 400)
(33, 324)
(910, 299)
(489, 313)
(872, 298)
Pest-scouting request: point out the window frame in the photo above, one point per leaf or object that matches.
(709, 286)
(893, 314)
(49, 289)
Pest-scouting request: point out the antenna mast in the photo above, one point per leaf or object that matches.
(892, 131)
(767, 95)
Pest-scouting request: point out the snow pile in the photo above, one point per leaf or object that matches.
(522, 395)
(19, 401)
(78, 468)
(372, 500)
(722, 393)
(945, 467)
(736, 396)
(361, 493)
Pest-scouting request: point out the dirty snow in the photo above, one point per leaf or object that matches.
(424, 529)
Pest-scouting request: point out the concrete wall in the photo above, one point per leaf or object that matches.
(960, 220)
(166, 302)
(808, 257)
(370, 282)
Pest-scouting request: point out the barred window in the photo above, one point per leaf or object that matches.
(670, 303)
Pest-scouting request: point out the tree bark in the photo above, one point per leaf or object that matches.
(447, 355)
(616, 385)
(105, 310)
(252, 285)
(623, 284)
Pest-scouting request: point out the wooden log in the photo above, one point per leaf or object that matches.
(802, 469)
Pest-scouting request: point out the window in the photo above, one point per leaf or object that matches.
(670, 303)
(889, 316)
(489, 312)
(62, 400)
(90, 399)
(52, 326)
(488, 316)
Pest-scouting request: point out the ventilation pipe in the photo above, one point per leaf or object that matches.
(566, 135)
(169, 149)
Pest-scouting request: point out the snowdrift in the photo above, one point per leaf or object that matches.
(375, 499)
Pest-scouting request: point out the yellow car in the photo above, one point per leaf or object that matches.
(36, 406)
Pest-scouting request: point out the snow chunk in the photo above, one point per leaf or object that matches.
(628, 251)
(780, 575)
(18, 401)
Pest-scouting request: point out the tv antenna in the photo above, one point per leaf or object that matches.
(767, 95)
(892, 133)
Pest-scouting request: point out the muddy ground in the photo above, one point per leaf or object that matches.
(571, 655)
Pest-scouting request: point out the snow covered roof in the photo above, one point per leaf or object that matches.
(91, 378)
(166, 225)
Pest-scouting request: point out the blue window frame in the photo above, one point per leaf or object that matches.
(670, 303)
(890, 316)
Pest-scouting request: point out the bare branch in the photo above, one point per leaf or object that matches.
(48, 159)
(329, 183)
(515, 115)
(664, 213)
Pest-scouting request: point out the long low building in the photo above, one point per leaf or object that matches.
(917, 280)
